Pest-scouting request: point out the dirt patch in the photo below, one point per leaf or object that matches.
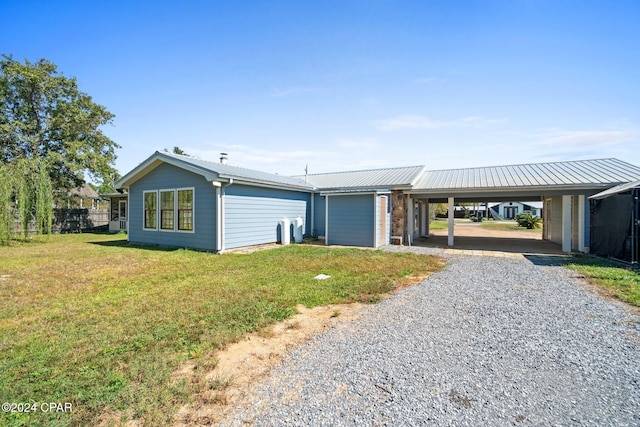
(475, 229)
(239, 366)
(244, 363)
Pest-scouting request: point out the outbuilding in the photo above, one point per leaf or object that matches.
(615, 222)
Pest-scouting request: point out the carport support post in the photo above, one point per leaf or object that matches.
(581, 221)
(451, 216)
(425, 217)
(566, 224)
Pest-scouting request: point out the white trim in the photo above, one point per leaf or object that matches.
(428, 219)
(193, 211)
(166, 190)
(581, 222)
(144, 211)
(566, 223)
(326, 219)
(153, 162)
(411, 219)
(376, 220)
(223, 242)
(218, 218)
(313, 215)
(285, 187)
(354, 193)
(451, 222)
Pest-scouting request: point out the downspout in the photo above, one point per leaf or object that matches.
(220, 214)
(326, 219)
(313, 216)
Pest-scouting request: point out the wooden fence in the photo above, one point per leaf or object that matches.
(75, 221)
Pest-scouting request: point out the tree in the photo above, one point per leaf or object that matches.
(26, 196)
(177, 150)
(44, 115)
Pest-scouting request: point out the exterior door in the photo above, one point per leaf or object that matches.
(546, 220)
(122, 214)
(510, 212)
(382, 237)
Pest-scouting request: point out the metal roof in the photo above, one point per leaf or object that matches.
(579, 173)
(212, 171)
(387, 178)
(617, 189)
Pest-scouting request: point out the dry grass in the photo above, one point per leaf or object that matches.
(90, 320)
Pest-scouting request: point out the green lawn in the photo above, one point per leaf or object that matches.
(618, 281)
(442, 224)
(507, 225)
(88, 320)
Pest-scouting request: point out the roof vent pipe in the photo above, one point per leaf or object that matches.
(223, 158)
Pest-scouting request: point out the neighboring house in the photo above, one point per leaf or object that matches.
(509, 210)
(79, 197)
(180, 201)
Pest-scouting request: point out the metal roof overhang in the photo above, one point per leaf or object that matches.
(357, 192)
(503, 194)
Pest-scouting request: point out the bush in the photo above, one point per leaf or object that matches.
(525, 219)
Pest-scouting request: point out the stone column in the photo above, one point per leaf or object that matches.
(398, 213)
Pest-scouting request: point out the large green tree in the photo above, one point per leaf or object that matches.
(44, 115)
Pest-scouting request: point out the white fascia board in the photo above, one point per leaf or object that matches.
(542, 189)
(267, 184)
(353, 193)
(155, 160)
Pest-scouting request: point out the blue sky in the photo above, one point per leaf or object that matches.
(345, 85)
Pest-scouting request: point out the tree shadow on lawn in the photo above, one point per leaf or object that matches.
(126, 245)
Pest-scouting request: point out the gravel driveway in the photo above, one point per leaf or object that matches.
(487, 341)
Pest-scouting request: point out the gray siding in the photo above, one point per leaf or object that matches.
(351, 220)
(252, 214)
(167, 176)
(319, 213)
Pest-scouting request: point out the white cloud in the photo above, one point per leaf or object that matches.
(586, 138)
(411, 121)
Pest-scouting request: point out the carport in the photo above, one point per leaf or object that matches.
(563, 187)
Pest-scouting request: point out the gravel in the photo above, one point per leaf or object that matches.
(487, 341)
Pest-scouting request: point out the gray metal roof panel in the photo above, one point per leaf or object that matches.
(213, 170)
(570, 173)
(617, 189)
(372, 178)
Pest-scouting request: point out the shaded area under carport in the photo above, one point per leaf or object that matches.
(467, 238)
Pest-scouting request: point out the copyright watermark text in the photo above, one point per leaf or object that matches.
(23, 407)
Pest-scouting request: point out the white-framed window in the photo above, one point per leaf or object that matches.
(150, 208)
(167, 210)
(170, 210)
(185, 209)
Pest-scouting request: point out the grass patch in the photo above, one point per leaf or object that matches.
(616, 280)
(443, 224)
(90, 320)
(508, 226)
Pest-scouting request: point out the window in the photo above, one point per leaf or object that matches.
(185, 210)
(167, 207)
(150, 210)
(175, 208)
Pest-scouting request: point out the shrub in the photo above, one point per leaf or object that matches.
(525, 219)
